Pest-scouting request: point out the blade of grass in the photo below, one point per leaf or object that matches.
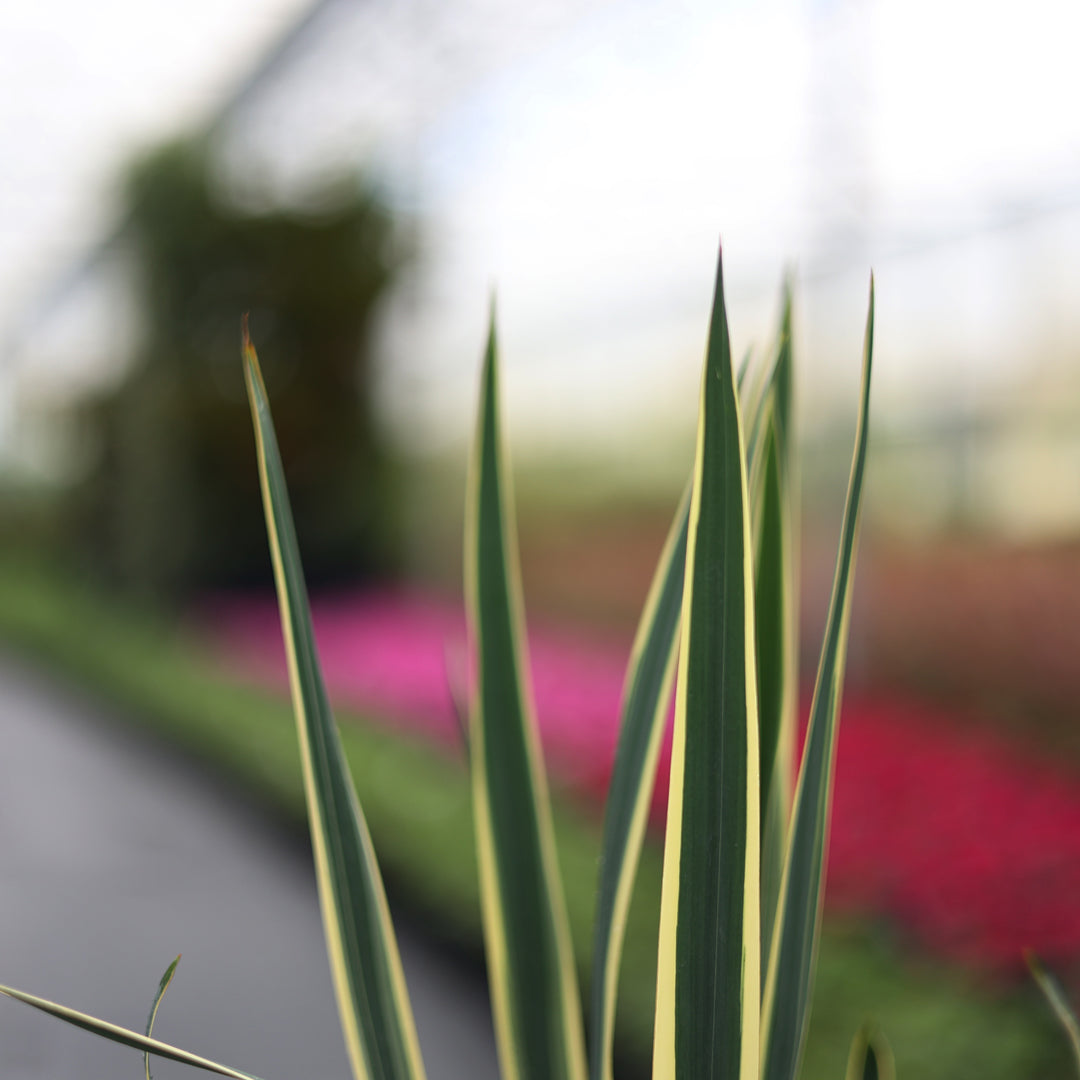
(373, 1006)
(646, 696)
(1058, 1002)
(535, 1000)
(871, 1057)
(708, 981)
(786, 1004)
(167, 978)
(123, 1036)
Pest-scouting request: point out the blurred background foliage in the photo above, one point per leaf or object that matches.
(582, 156)
(169, 502)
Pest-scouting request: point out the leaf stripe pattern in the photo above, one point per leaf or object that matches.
(708, 981)
(373, 1006)
(788, 988)
(535, 999)
(646, 698)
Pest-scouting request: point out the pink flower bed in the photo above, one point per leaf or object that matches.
(963, 839)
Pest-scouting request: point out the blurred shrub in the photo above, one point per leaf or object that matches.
(171, 504)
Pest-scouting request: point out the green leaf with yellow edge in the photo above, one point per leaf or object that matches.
(766, 397)
(373, 1006)
(163, 985)
(788, 988)
(708, 981)
(776, 623)
(871, 1057)
(777, 646)
(1051, 988)
(123, 1036)
(646, 697)
(533, 983)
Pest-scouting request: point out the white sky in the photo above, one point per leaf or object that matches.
(591, 177)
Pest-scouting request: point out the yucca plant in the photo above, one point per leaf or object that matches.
(745, 844)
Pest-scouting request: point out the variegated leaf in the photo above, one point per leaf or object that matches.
(123, 1036)
(373, 1006)
(646, 697)
(534, 992)
(708, 981)
(776, 622)
(786, 1004)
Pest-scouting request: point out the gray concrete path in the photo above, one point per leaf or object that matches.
(115, 857)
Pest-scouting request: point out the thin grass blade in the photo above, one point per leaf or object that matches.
(167, 978)
(123, 1036)
(535, 999)
(788, 989)
(646, 696)
(1051, 988)
(708, 981)
(376, 1018)
(871, 1057)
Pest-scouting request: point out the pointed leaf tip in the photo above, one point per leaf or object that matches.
(250, 358)
(163, 985)
(708, 980)
(369, 985)
(534, 991)
(871, 1056)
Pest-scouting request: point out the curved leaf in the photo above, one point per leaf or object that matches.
(376, 1018)
(533, 983)
(167, 978)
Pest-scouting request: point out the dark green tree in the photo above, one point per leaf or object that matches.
(172, 502)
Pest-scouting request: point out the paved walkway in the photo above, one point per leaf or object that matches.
(115, 857)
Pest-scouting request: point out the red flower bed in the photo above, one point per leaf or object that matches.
(962, 838)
